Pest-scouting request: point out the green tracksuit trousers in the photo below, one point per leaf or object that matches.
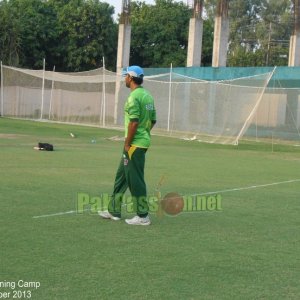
(130, 174)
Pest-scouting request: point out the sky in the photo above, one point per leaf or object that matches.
(118, 5)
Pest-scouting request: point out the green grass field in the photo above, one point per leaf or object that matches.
(248, 250)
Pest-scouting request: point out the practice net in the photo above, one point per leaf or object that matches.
(188, 108)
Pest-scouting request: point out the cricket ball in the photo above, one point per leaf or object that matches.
(172, 203)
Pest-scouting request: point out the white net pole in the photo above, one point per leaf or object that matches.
(43, 89)
(293, 118)
(170, 97)
(103, 95)
(254, 109)
(256, 127)
(2, 92)
(51, 94)
(117, 92)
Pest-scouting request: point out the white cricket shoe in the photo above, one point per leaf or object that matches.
(107, 215)
(138, 221)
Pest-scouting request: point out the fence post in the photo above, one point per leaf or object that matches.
(2, 92)
(170, 96)
(51, 93)
(103, 95)
(43, 89)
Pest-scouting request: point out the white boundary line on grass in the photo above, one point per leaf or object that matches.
(208, 193)
(58, 214)
(249, 187)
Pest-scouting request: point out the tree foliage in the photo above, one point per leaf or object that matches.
(87, 33)
(10, 32)
(260, 31)
(72, 35)
(159, 33)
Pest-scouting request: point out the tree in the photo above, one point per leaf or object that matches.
(38, 32)
(10, 34)
(159, 33)
(274, 30)
(259, 33)
(207, 40)
(87, 33)
(73, 35)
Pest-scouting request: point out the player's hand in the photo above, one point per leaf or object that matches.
(126, 148)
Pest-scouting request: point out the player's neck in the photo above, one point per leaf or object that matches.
(134, 86)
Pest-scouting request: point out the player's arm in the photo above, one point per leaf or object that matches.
(153, 122)
(153, 117)
(132, 128)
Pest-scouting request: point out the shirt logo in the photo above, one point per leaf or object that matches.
(149, 106)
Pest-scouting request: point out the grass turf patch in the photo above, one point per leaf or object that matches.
(249, 250)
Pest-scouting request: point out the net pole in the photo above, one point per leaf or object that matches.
(51, 94)
(256, 128)
(254, 109)
(170, 96)
(43, 89)
(103, 95)
(101, 104)
(293, 118)
(117, 94)
(2, 92)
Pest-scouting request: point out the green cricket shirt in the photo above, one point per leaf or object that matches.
(140, 107)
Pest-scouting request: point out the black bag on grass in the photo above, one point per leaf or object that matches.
(45, 146)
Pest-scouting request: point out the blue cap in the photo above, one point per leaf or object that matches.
(134, 71)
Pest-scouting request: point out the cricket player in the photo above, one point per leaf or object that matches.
(140, 117)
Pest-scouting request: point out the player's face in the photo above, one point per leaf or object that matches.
(127, 80)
